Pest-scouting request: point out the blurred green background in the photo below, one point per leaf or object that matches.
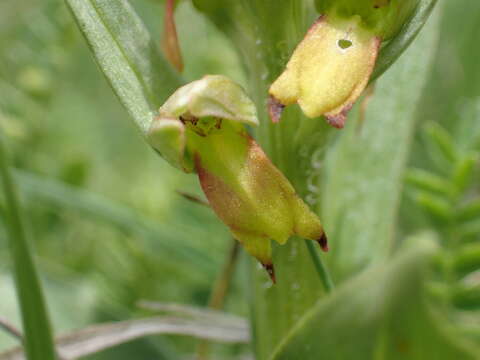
(107, 225)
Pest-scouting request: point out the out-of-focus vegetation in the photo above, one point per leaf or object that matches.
(109, 228)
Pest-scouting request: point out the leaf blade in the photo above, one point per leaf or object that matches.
(383, 314)
(366, 168)
(137, 72)
(36, 325)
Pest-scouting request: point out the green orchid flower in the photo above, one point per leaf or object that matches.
(201, 129)
(331, 67)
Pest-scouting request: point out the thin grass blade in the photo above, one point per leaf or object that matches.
(38, 339)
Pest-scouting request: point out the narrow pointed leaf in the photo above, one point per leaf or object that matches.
(383, 314)
(36, 326)
(366, 169)
(132, 63)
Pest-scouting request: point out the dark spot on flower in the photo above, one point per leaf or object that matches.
(338, 120)
(344, 44)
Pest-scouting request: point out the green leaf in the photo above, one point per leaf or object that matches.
(138, 73)
(464, 172)
(365, 170)
(382, 314)
(434, 205)
(466, 260)
(440, 145)
(466, 297)
(469, 229)
(36, 326)
(426, 180)
(469, 211)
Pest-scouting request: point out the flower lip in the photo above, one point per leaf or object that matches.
(328, 70)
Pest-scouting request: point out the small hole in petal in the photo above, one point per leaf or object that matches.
(344, 44)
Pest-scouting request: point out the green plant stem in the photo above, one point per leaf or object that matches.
(224, 279)
(322, 271)
(38, 339)
(296, 146)
(220, 290)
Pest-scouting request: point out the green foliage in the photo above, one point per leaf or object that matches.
(449, 197)
(382, 314)
(366, 166)
(136, 70)
(109, 228)
(125, 219)
(36, 325)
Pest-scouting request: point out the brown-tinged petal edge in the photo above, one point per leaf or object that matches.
(271, 271)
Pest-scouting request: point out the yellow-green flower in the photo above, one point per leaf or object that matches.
(332, 65)
(201, 128)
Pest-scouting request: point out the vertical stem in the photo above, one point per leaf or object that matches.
(291, 145)
(265, 33)
(36, 326)
(222, 284)
(219, 291)
(321, 269)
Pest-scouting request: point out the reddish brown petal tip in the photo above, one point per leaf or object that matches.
(338, 120)
(323, 241)
(271, 271)
(275, 109)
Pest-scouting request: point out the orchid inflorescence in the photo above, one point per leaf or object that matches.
(203, 126)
